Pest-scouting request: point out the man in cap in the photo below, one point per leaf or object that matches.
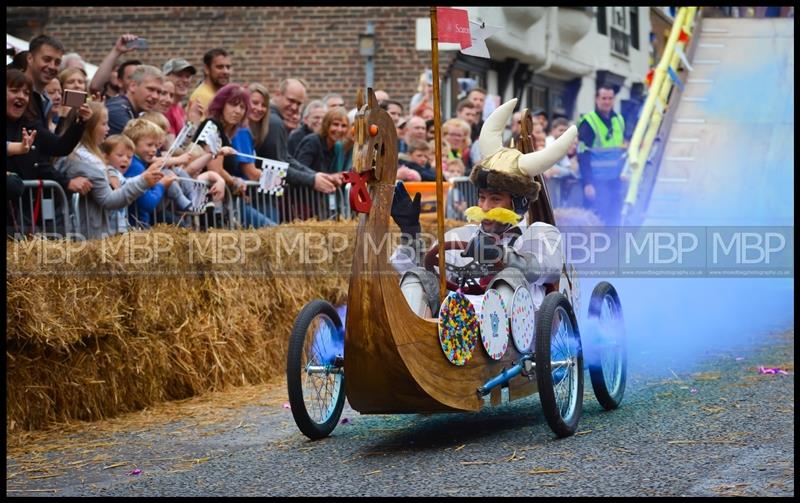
(515, 253)
(180, 73)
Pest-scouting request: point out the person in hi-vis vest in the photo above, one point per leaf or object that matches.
(601, 157)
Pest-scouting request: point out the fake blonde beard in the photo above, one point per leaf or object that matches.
(502, 215)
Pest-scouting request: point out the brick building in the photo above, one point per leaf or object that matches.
(550, 57)
(318, 44)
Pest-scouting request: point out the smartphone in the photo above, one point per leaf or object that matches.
(73, 98)
(139, 43)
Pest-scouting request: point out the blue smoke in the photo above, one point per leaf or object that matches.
(743, 176)
(328, 341)
(668, 318)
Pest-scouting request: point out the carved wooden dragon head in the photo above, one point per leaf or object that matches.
(375, 140)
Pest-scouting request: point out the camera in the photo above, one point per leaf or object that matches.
(139, 43)
(73, 98)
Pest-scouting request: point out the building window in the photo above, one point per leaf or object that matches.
(635, 27)
(619, 32)
(601, 21)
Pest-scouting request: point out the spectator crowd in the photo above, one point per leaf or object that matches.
(113, 145)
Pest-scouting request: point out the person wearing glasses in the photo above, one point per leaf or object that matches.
(601, 157)
(284, 116)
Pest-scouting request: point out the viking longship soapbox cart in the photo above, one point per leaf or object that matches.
(385, 359)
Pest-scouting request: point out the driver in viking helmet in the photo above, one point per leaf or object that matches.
(511, 252)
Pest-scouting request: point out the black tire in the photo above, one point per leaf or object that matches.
(557, 329)
(317, 398)
(607, 350)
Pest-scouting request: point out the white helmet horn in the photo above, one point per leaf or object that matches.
(491, 138)
(536, 163)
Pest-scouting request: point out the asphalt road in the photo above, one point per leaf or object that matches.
(709, 427)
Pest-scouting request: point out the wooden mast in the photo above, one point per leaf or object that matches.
(437, 128)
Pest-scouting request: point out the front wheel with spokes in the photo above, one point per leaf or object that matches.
(559, 364)
(315, 369)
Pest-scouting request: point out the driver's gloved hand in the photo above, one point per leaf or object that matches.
(485, 248)
(405, 212)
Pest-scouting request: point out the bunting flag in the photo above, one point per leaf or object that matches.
(272, 177)
(649, 77)
(210, 135)
(684, 59)
(674, 77)
(479, 32)
(183, 134)
(453, 26)
(683, 37)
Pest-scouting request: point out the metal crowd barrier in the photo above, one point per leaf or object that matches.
(296, 203)
(42, 209)
(219, 215)
(462, 191)
(60, 216)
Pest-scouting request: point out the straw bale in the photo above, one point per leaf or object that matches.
(99, 328)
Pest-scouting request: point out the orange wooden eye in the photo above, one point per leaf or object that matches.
(353, 131)
(373, 129)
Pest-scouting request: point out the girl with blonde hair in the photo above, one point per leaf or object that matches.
(98, 215)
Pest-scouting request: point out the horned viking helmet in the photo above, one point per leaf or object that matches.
(507, 169)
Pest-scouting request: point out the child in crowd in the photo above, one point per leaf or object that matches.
(453, 168)
(180, 162)
(146, 137)
(98, 209)
(417, 159)
(118, 150)
(161, 121)
(456, 203)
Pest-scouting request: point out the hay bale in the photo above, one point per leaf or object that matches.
(109, 326)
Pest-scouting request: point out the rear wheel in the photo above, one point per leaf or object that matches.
(606, 348)
(559, 364)
(315, 369)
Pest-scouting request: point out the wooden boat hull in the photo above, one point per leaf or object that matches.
(393, 360)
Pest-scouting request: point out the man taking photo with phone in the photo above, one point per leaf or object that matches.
(124, 44)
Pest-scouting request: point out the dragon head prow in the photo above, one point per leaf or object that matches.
(375, 139)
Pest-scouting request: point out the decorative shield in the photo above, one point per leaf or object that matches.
(522, 320)
(458, 328)
(494, 325)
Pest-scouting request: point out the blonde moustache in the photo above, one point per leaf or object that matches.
(502, 215)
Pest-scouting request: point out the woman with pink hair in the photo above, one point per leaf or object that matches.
(228, 112)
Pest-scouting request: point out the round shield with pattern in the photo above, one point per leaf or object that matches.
(494, 325)
(458, 328)
(522, 320)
